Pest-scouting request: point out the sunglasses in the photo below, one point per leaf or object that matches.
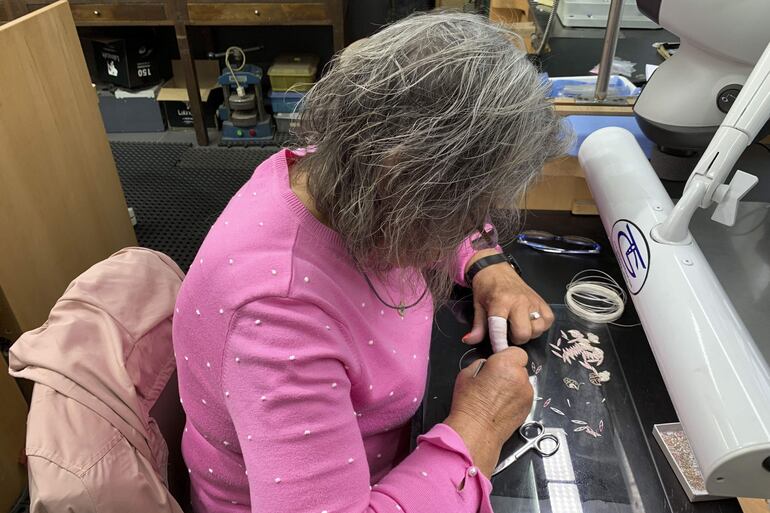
(558, 244)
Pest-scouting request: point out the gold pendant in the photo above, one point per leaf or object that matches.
(401, 309)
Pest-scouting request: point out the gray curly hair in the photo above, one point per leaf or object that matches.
(420, 132)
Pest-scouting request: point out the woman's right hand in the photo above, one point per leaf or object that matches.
(488, 408)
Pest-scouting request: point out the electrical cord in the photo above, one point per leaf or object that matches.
(595, 296)
(235, 49)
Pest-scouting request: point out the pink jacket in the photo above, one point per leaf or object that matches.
(100, 364)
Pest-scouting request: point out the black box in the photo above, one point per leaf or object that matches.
(178, 113)
(132, 63)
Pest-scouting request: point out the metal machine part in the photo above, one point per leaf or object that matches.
(608, 51)
(243, 115)
(687, 97)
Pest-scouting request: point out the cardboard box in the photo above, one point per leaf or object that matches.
(176, 101)
(562, 186)
(131, 62)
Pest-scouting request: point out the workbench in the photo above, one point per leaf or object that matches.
(182, 14)
(622, 471)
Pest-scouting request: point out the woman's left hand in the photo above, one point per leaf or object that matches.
(499, 292)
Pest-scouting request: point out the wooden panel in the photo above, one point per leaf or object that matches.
(3, 15)
(97, 13)
(754, 505)
(258, 13)
(13, 475)
(61, 204)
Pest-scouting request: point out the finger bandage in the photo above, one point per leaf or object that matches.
(498, 332)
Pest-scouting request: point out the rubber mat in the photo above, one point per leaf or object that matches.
(146, 155)
(177, 191)
(224, 158)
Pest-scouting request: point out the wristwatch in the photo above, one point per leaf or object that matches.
(486, 261)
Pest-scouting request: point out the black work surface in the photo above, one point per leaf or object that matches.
(629, 473)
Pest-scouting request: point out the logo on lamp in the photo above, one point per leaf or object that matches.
(633, 253)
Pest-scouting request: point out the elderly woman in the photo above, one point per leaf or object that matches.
(303, 327)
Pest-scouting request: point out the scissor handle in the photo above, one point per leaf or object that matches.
(548, 451)
(528, 426)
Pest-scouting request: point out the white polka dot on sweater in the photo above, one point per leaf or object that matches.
(227, 394)
(203, 401)
(426, 317)
(307, 432)
(253, 193)
(424, 474)
(221, 311)
(263, 398)
(273, 272)
(382, 312)
(360, 414)
(398, 507)
(306, 279)
(197, 312)
(363, 305)
(328, 327)
(414, 356)
(230, 261)
(226, 443)
(334, 385)
(261, 223)
(211, 471)
(257, 322)
(208, 365)
(201, 260)
(391, 393)
(226, 223)
(324, 511)
(371, 387)
(394, 351)
(187, 358)
(350, 460)
(233, 502)
(248, 437)
(292, 358)
(177, 310)
(414, 400)
(189, 471)
(239, 195)
(277, 480)
(379, 455)
(371, 342)
(237, 360)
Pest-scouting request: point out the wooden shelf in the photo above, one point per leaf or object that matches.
(182, 14)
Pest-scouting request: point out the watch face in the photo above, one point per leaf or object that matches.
(484, 239)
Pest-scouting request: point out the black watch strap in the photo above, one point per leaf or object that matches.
(486, 261)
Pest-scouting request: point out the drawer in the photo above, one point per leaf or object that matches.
(259, 13)
(118, 12)
(115, 13)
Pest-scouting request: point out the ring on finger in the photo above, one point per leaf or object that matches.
(533, 316)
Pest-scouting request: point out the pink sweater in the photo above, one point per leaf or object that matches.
(297, 382)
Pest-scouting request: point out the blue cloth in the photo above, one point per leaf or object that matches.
(583, 126)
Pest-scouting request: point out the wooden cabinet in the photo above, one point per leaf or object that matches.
(184, 13)
(207, 13)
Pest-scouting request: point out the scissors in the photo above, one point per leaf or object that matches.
(532, 442)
